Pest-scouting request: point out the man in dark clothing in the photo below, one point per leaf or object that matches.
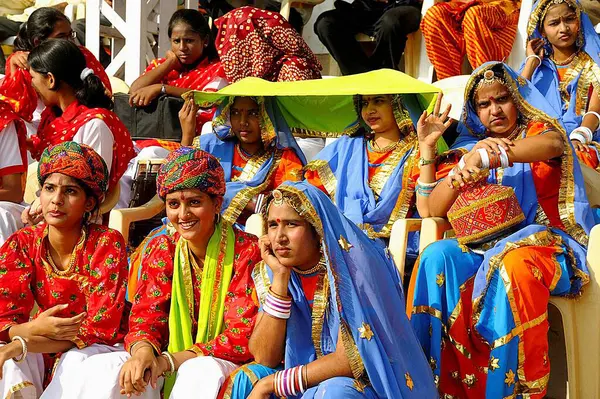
(389, 22)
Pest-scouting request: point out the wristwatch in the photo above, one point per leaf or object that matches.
(163, 89)
(425, 162)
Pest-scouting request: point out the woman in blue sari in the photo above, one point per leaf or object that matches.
(563, 58)
(480, 310)
(338, 331)
(256, 149)
(371, 175)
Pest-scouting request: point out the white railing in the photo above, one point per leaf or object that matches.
(135, 26)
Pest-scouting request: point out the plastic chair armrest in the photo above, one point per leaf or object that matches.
(399, 241)
(432, 230)
(120, 219)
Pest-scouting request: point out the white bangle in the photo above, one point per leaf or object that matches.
(485, 158)
(577, 137)
(597, 115)
(259, 203)
(461, 162)
(534, 56)
(426, 185)
(583, 134)
(170, 360)
(504, 162)
(24, 349)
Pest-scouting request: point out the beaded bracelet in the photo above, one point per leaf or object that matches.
(24, 349)
(277, 307)
(425, 189)
(290, 382)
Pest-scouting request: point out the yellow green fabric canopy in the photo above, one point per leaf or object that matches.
(324, 107)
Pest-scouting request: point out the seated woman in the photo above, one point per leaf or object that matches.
(193, 310)
(371, 177)
(74, 270)
(43, 24)
(334, 340)
(482, 30)
(191, 64)
(77, 106)
(13, 166)
(257, 151)
(259, 43)
(479, 304)
(562, 62)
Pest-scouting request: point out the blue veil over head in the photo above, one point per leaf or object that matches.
(574, 207)
(275, 135)
(364, 301)
(545, 77)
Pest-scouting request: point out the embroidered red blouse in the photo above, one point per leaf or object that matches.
(95, 282)
(151, 303)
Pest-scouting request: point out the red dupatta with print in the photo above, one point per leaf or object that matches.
(58, 129)
(199, 78)
(14, 107)
(259, 43)
(16, 87)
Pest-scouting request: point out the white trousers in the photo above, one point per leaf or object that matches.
(10, 219)
(25, 379)
(200, 377)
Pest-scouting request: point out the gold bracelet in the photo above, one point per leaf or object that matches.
(282, 297)
(139, 342)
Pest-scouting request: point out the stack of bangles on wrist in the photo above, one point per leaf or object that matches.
(278, 306)
(23, 346)
(170, 360)
(425, 189)
(582, 134)
(290, 382)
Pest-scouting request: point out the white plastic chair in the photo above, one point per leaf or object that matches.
(517, 54)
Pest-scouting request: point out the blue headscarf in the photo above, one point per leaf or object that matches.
(365, 301)
(574, 208)
(275, 135)
(343, 168)
(545, 77)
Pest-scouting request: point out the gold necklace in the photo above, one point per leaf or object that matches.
(312, 270)
(69, 268)
(387, 148)
(565, 62)
(242, 153)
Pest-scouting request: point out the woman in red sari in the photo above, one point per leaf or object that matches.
(75, 271)
(43, 24)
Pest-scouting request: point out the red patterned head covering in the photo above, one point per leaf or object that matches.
(188, 167)
(78, 161)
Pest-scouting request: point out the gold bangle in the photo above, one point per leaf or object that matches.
(282, 297)
(305, 377)
(139, 342)
(170, 360)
